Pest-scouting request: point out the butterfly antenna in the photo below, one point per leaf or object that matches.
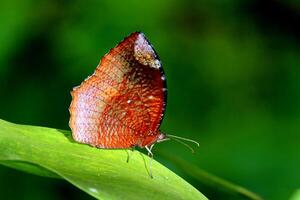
(179, 139)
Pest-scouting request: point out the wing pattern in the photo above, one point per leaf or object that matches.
(122, 104)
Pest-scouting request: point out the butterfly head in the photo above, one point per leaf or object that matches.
(164, 137)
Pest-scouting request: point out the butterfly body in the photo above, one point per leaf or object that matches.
(122, 104)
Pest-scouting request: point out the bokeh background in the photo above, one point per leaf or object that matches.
(232, 68)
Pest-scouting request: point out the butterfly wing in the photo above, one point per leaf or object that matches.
(123, 102)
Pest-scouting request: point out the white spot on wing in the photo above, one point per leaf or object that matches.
(156, 64)
(144, 52)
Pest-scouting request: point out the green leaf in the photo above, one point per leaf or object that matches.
(296, 195)
(30, 168)
(104, 174)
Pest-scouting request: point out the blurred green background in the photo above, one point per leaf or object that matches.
(232, 68)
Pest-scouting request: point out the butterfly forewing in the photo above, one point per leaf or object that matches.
(123, 102)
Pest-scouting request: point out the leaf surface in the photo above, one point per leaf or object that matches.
(104, 174)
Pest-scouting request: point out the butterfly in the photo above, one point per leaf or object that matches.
(122, 104)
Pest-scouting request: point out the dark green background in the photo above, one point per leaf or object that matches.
(233, 78)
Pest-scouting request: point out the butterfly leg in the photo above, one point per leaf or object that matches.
(129, 152)
(150, 154)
